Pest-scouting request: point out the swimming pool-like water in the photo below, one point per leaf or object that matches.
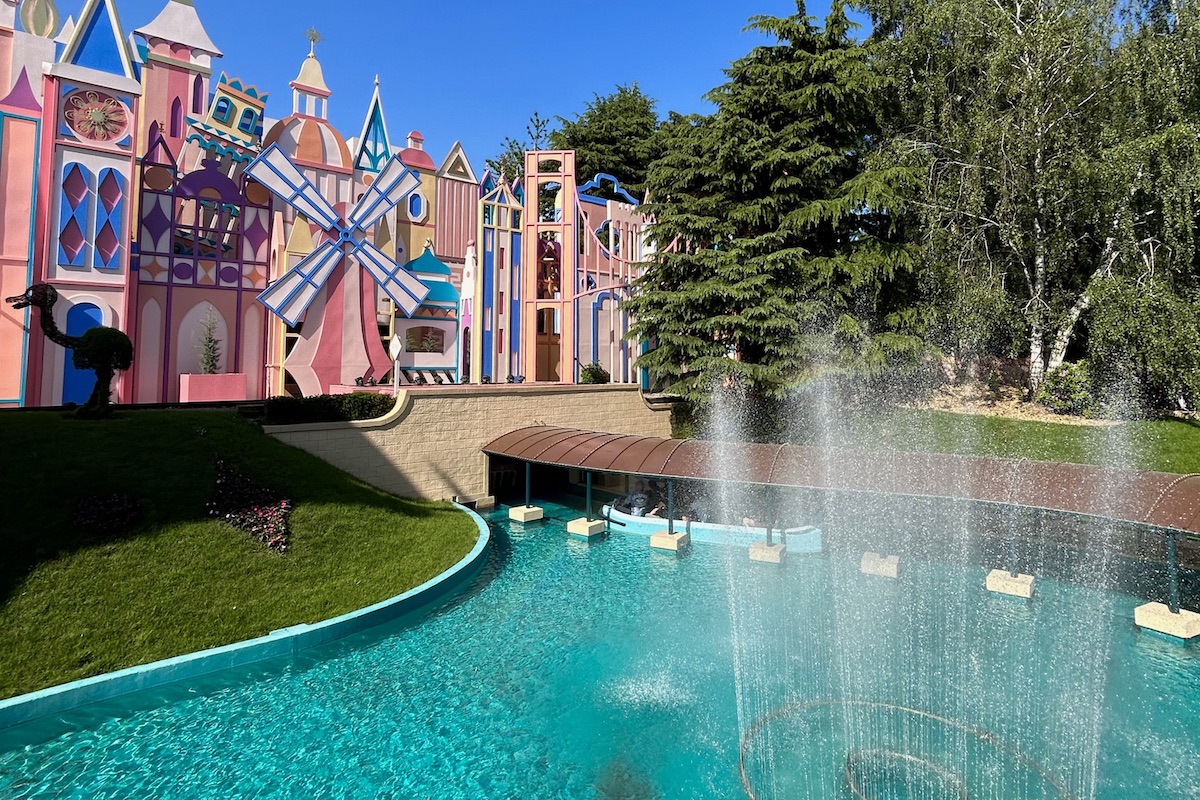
(609, 671)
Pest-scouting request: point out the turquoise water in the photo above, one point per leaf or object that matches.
(610, 671)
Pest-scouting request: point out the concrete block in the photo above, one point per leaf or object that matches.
(585, 527)
(1158, 617)
(485, 503)
(1001, 581)
(670, 541)
(525, 513)
(768, 553)
(881, 566)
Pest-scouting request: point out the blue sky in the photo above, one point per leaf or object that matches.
(462, 69)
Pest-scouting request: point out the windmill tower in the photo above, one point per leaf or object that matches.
(319, 152)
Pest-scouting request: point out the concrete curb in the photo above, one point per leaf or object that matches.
(286, 641)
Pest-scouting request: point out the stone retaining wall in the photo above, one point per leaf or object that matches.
(429, 445)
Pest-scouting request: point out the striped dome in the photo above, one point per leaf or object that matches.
(310, 140)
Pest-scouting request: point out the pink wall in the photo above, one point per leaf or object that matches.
(6, 48)
(16, 187)
(457, 210)
(161, 85)
(162, 341)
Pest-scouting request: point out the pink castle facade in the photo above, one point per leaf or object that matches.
(123, 173)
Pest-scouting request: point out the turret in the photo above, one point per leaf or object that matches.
(177, 53)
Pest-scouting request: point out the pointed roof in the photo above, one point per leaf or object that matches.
(311, 78)
(179, 23)
(457, 165)
(97, 42)
(374, 146)
(68, 30)
(488, 182)
(22, 95)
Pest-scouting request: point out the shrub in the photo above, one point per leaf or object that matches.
(1068, 390)
(253, 509)
(594, 373)
(106, 515)
(327, 408)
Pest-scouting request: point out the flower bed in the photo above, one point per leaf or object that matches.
(253, 509)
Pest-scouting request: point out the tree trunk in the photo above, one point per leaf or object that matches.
(1037, 303)
(1067, 332)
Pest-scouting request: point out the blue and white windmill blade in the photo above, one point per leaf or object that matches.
(392, 185)
(405, 289)
(290, 296)
(275, 171)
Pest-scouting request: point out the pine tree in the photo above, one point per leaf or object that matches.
(614, 135)
(778, 256)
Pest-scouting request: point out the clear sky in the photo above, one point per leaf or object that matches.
(475, 70)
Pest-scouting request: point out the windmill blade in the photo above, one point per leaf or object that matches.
(393, 184)
(290, 296)
(405, 289)
(273, 170)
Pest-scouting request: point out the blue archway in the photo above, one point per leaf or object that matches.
(78, 383)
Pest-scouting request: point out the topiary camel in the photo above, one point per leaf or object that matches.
(105, 351)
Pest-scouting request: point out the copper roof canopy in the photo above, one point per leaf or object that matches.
(1153, 498)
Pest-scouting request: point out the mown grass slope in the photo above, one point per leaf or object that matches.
(73, 605)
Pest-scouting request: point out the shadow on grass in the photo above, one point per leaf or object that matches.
(164, 459)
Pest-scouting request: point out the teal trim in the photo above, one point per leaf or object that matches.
(284, 642)
(37, 167)
(218, 149)
(374, 149)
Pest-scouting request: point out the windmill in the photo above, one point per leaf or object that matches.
(290, 296)
(322, 363)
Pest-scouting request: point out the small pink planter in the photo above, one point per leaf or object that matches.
(230, 386)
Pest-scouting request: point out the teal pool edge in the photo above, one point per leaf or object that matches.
(285, 641)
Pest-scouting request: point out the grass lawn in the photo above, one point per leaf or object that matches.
(72, 607)
(1171, 445)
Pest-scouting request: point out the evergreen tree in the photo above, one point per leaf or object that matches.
(778, 256)
(509, 165)
(614, 135)
(210, 345)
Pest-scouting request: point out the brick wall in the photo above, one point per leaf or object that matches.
(429, 445)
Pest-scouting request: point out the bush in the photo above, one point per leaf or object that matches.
(1068, 390)
(327, 408)
(106, 515)
(594, 373)
(253, 509)
(1144, 347)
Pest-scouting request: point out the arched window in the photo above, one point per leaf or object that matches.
(198, 95)
(223, 110)
(248, 121)
(176, 118)
(78, 383)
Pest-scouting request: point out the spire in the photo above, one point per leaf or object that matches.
(374, 146)
(310, 95)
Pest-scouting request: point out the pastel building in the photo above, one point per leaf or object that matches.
(556, 260)
(125, 172)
